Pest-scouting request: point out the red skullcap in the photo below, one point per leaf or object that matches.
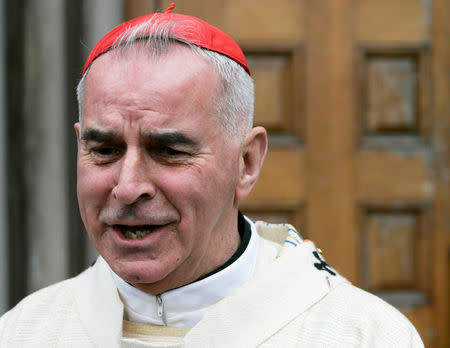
(190, 29)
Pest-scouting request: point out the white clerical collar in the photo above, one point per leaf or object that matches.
(185, 306)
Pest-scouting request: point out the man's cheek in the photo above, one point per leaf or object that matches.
(95, 181)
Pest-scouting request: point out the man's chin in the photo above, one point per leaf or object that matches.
(143, 275)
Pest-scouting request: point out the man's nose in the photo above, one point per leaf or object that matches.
(134, 182)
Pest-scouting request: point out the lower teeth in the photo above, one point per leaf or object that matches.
(136, 235)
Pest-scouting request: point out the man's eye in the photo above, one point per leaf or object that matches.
(170, 152)
(105, 151)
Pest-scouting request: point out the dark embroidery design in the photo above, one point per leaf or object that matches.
(322, 266)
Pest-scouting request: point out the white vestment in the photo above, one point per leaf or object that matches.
(293, 299)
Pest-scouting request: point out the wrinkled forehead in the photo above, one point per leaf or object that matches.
(177, 82)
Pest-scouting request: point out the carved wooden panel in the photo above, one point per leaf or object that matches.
(391, 94)
(395, 161)
(391, 250)
(394, 89)
(397, 253)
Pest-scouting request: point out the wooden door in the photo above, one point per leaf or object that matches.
(354, 95)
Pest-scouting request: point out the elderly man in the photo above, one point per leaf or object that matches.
(166, 150)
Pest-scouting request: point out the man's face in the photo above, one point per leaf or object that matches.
(156, 175)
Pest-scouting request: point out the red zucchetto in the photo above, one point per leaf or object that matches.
(189, 28)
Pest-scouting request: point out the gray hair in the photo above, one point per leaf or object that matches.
(235, 100)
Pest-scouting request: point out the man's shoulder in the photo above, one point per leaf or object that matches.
(44, 311)
(60, 292)
(348, 312)
(349, 299)
(339, 314)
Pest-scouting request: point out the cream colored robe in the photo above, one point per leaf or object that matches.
(290, 301)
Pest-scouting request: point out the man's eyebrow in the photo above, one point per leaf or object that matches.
(98, 136)
(171, 138)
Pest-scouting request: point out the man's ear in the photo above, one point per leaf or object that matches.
(253, 153)
(77, 129)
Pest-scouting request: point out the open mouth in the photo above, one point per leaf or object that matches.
(137, 232)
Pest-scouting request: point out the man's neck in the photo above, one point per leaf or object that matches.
(219, 251)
